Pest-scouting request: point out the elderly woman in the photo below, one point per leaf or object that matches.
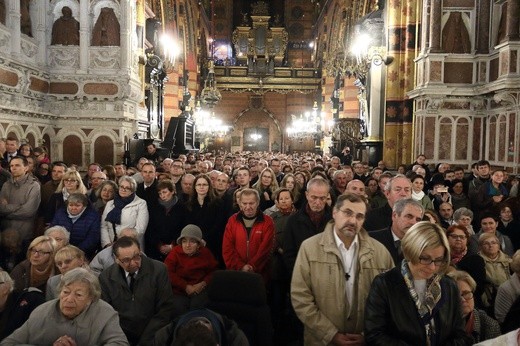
(66, 259)
(59, 234)
(78, 317)
(414, 303)
(15, 307)
(497, 266)
(190, 266)
(479, 326)
(38, 267)
(104, 194)
(265, 186)
(508, 294)
(126, 210)
(464, 216)
(70, 183)
(167, 218)
(82, 221)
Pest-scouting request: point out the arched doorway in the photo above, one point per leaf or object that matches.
(256, 139)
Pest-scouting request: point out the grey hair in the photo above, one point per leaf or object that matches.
(6, 278)
(462, 212)
(401, 204)
(389, 184)
(318, 182)
(78, 198)
(61, 229)
(85, 276)
(130, 181)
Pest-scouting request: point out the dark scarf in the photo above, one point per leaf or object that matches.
(287, 211)
(168, 204)
(114, 215)
(315, 217)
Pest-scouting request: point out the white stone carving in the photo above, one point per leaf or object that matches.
(64, 57)
(5, 37)
(29, 49)
(104, 57)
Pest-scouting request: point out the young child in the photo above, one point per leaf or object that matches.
(190, 266)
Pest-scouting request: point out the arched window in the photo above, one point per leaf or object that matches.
(73, 150)
(104, 150)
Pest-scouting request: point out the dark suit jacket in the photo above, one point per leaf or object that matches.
(150, 194)
(385, 237)
(379, 218)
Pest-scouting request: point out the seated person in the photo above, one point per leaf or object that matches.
(66, 259)
(105, 258)
(190, 265)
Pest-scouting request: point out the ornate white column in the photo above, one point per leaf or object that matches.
(40, 31)
(84, 37)
(127, 24)
(13, 22)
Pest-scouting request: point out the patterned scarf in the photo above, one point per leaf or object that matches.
(315, 217)
(431, 298)
(457, 256)
(114, 215)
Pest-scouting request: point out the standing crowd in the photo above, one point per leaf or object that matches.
(343, 254)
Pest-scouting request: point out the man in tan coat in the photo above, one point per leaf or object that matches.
(333, 274)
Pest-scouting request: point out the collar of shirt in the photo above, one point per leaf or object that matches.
(340, 245)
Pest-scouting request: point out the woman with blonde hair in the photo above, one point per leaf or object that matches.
(414, 303)
(289, 182)
(265, 186)
(66, 259)
(70, 183)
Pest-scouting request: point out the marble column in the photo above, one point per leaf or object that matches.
(512, 23)
(13, 22)
(483, 26)
(435, 26)
(84, 42)
(40, 31)
(127, 25)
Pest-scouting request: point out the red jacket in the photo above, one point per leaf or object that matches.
(239, 248)
(189, 270)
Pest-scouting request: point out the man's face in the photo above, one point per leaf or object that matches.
(17, 168)
(148, 173)
(497, 177)
(459, 174)
(349, 173)
(446, 211)
(177, 169)
(489, 225)
(92, 169)
(349, 219)
(306, 166)
(358, 168)
(317, 197)
(421, 159)
(377, 173)
(97, 179)
(187, 185)
(57, 173)
(356, 187)
(340, 180)
(276, 165)
(11, 146)
(129, 258)
(483, 171)
(401, 189)
(167, 164)
(222, 183)
(120, 170)
(409, 217)
(248, 205)
(243, 178)
(335, 163)
(151, 149)
(450, 176)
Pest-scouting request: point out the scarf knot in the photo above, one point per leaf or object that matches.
(114, 215)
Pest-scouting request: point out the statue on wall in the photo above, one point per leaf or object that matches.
(65, 29)
(2, 11)
(25, 18)
(455, 36)
(107, 30)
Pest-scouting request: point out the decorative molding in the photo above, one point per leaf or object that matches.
(62, 57)
(105, 57)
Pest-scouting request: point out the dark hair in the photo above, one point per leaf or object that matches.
(195, 333)
(483, 163)
(23, 158)
(452, 229)
(124, 242)
(488, 214)
(166, 184)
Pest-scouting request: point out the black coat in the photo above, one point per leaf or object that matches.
(391, 317)
(379, 218)
(386, 238)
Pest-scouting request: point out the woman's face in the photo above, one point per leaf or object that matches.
(289, 183)
(458, 241)
(465, 221)
(75, 208)
(267, 178)
(74, 298)
(467, 304)
(40, 254)
(190, 246)
(60, 239)
(490, 247)
(421, 271)
(300, 179)
(401, 170)
(418, 185)
(497, 177)
(202, 187)
(25, 150)
(284, 200)
(458, 188)
(506, 215)
(166, 195)
(69, 263)
(71, 184)
(125, 189)
(107, 193)
(372, 186)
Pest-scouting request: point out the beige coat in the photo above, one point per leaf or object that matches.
(318, 285)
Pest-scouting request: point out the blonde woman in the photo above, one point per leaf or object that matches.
(265, 186)
(70, 183)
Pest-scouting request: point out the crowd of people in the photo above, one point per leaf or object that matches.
(348, 254)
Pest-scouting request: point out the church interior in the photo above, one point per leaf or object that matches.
(390, 79)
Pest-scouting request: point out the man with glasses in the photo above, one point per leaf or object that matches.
(19, 199)
(96, 180)
(177, 171)
(139, 289)
(333, 273)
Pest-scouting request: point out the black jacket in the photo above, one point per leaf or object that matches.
(379, 218)
(391, 317)
(386, 238)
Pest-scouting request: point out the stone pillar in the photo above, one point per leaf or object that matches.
(435, 26)
(40, 30)
(85, 21)
(127, 24)
(483, 27)
(512, 23)
(13, 22)
(425, 26)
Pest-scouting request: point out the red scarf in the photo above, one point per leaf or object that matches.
(470, 323)
(315, 217)
(456, 257)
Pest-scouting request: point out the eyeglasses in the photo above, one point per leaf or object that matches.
(39, 252)
(350, 213)
(457, 237)
(70, 180)
(467, 295)
(125, 188)
(135, 258)
(428, 261)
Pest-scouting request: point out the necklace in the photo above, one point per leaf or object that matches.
(347, 274)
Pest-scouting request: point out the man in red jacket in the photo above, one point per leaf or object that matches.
(249, 237)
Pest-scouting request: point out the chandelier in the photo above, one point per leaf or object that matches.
(210, 95)
(307, 125)
(207, 124)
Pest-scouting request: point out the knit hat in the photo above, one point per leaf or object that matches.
(192, 231)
